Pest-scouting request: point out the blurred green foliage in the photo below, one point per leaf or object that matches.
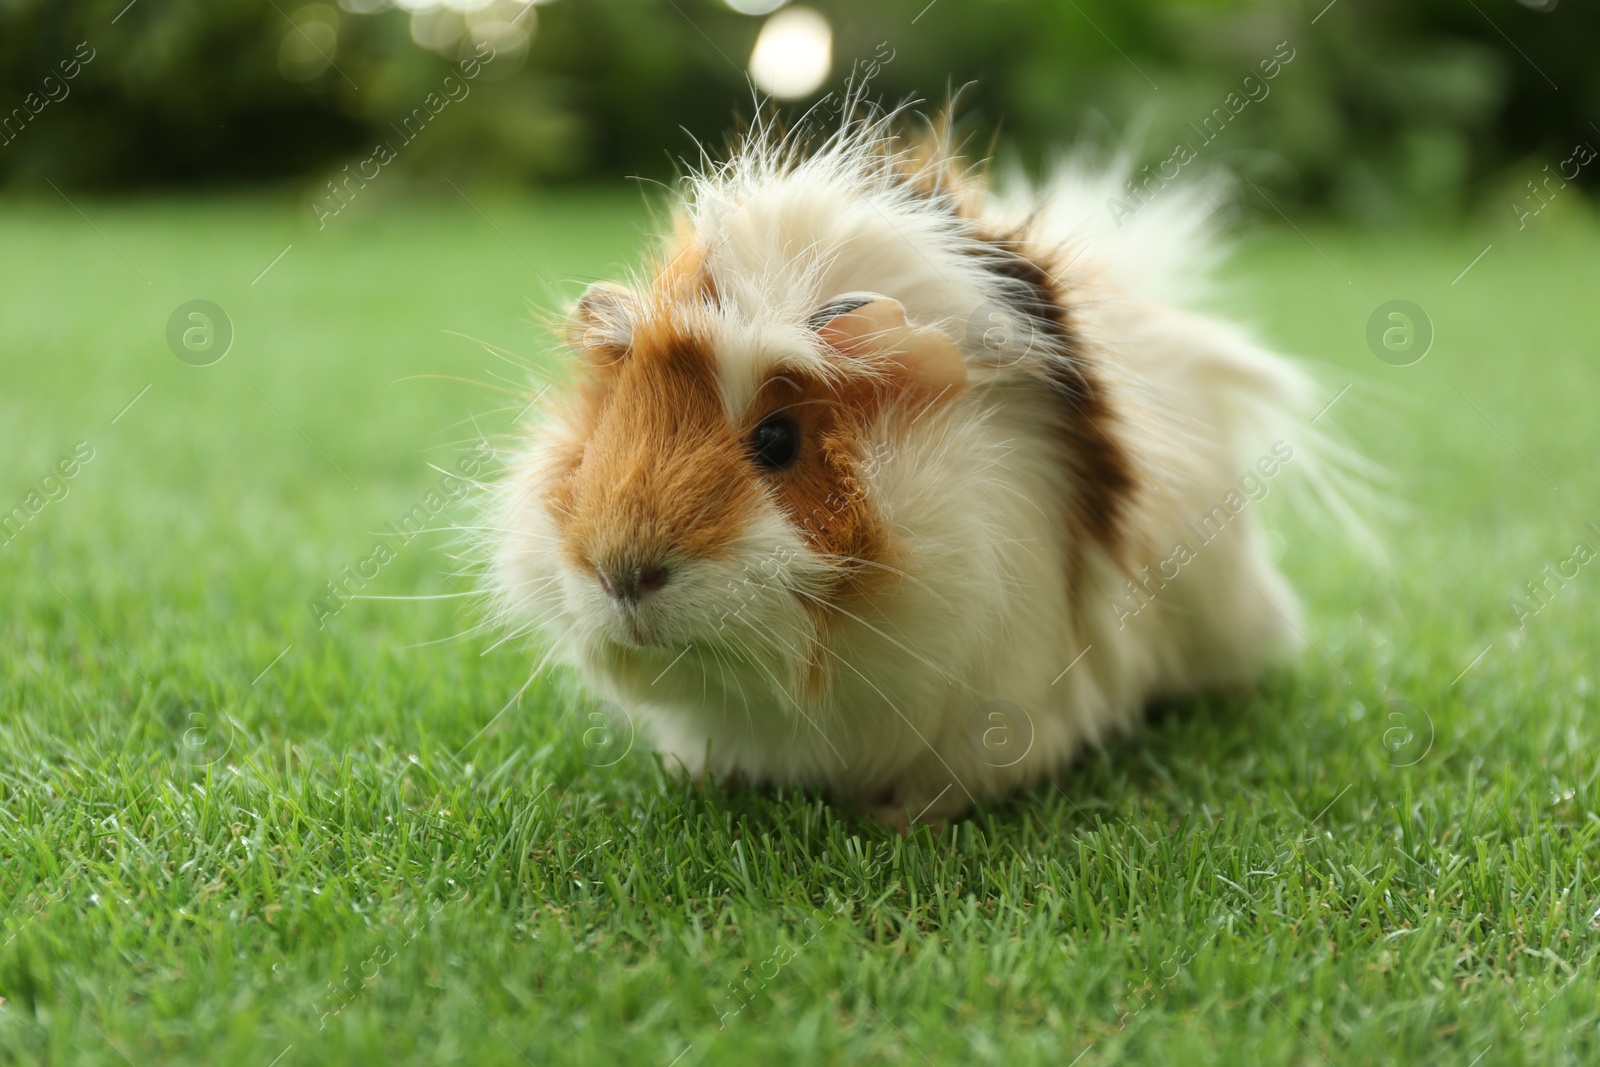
(1386, 108)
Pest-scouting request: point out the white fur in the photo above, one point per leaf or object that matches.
(981, 611)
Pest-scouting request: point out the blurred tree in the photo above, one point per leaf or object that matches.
(1381, 108)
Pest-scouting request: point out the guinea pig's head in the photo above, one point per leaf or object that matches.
(706, 485)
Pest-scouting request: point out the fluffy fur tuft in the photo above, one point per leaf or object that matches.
(1020, 505)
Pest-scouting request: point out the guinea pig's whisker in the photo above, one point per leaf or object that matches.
(484, 528)
(424, 530)
(518, 632)
(784, 694)
(808, 402)
(465, 381)
(521, 363)
(757, 661)
(414, 596)
(862, 561)
(533, 589)
(520, 388)
(487, 626)
(777, 379)
(473, 419)
(723, 671)
(913, 653)
(544, 661)
(474, 482)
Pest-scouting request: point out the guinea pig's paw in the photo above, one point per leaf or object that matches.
(916, 808)
(726, 781)
(889, 817)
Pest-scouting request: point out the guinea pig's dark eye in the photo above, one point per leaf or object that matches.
(775, 443)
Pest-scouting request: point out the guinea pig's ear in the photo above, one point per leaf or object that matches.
(920, 359)
(600, 327)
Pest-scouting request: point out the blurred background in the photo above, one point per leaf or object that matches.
(1380, 110)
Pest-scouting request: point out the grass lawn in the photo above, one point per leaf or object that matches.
(229, 834)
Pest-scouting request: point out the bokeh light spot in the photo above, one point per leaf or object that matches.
(309, 43)
(793, 53)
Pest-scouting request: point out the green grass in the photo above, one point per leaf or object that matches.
(1372, 861)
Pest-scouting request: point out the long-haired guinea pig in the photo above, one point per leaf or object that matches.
(882, 483)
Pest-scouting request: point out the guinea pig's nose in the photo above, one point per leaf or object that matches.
(628, 581)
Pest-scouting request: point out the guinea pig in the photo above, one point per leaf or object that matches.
(884, 483)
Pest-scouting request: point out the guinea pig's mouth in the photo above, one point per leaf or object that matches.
(638, 635)
(637, 628)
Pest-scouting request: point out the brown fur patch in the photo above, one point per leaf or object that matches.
(823, 493)
(1105, 475)
(661, 475)
(932, 169)
(824, 496)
